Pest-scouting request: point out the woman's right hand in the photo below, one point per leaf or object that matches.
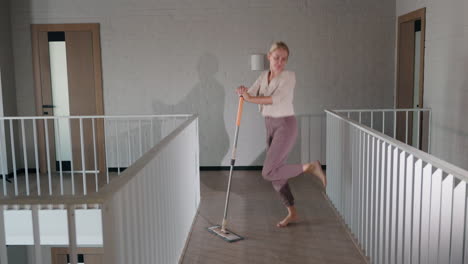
(241, 90)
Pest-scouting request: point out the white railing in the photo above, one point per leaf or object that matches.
(73, 154)
(402, 205)
(147, 212)
(411, 126)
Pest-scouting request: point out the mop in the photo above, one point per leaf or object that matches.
(222, 231)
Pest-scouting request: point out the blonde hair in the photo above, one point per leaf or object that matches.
(279, 45)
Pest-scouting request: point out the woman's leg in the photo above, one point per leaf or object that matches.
(288, 201)
(315, 168)
(281, 136)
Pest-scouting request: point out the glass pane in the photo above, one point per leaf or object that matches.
(60, 98)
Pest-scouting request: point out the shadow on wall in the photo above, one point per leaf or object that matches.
(207, 100)
(449, 129)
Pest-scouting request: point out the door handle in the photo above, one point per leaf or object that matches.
(48, 106)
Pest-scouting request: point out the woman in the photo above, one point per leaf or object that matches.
(273, 91)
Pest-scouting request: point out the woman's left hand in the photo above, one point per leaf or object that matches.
(246, 96)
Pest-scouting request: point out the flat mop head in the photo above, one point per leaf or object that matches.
(226, 235)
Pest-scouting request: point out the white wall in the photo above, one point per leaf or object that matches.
(7, 89)
(179, 56)
(6, 60)
(445, 74)
(53, 227)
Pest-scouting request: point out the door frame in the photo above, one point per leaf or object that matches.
(94, 28)
(412, 16)
(419, 14)
(81, 250)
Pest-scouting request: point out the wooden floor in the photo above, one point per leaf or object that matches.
(56, 185)
(254, 210)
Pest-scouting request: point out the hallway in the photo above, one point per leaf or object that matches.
(254, 209)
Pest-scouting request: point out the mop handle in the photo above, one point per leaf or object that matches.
(238, 120)
(239, 110)
(233, 161)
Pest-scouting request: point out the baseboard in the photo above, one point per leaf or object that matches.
(19, 171)
(222, 168)
(202, 168)
(121, 169)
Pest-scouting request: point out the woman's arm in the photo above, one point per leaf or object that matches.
(264, 100)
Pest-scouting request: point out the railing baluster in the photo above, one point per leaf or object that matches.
(25, 157)
(372, 179)
(366, 193)
(465, 228)
(72, 246)
(383, 122)
(36, 235)
(141, 139)
(446, 216)
(83, 166)
(429, 150)
(107, 143)
(426, 214)
(434, 224)
(152, 134)
(408, 219)
(49, 176)
(407, 126)
(419, 130)
(3, 159)
(117, 146)
(417, 207)
(71, 159)
(3, 246)
(382, 197)
(361, 186)
(376, 199)
(129, 144)
(372, 119)
(394, 212)
(95, 155)
(13, 156)
(59, 150)
(353, 176)
(458, 221)
(36, 158)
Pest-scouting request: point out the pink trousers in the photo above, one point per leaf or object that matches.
(281, 136)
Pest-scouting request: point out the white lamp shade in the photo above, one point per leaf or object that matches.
(257, 62)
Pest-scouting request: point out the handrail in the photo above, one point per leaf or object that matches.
(85, 117)
(383, 110)
(106, 191)
(439, 163)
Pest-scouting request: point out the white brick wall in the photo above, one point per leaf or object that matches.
(446, 74)
(189, 55)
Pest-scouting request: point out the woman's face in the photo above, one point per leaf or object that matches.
(278, 59)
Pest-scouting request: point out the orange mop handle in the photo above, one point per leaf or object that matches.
(239, 110)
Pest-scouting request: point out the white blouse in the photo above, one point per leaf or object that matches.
(281, 90)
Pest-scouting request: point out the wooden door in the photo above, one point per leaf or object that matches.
(410, 72)
(84, 91)
(85, 255)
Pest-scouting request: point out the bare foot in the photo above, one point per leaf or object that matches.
(288, 219)
(315, 168)
(291, 217)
